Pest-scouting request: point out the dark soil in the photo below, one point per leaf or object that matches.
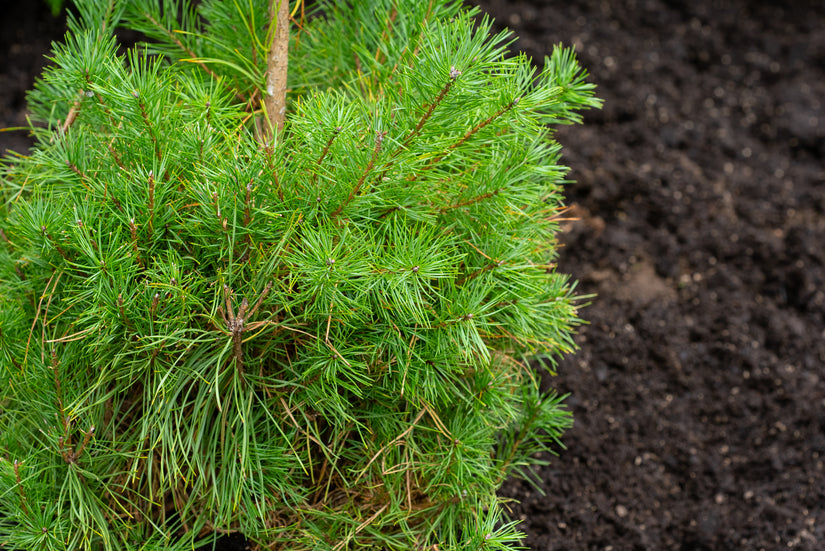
(26, 32)
(699, 390)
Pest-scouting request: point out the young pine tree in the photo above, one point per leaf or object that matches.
(312, 330)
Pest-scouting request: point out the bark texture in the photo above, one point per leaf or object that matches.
(276, 73)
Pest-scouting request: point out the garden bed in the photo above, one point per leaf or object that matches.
(699, 390)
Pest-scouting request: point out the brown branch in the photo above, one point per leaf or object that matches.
(276, 68)
(471, 276)
(80, 174)
(481, 125)
(133, 233)
(153, 308)
(379, 139)
(64, 442)
(71, 116)
(469, 134)
(151, 201)
(123, 315)
(54, 243)
(236, 323)
(148, 124)
(19, 481)
(79, 451)
(260, 300)
(454, 74)
(436, 102)
(115, 156)
(335, 133)
(471, 201)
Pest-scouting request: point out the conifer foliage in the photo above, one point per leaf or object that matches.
(319, 338)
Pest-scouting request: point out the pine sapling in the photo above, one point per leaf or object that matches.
(304, 310)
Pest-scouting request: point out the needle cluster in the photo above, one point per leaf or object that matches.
(320, 338)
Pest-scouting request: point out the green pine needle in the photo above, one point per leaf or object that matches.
(323, 342)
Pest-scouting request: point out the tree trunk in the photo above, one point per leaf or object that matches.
(276, 69)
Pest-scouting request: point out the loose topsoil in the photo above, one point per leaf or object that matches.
(699, 389)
